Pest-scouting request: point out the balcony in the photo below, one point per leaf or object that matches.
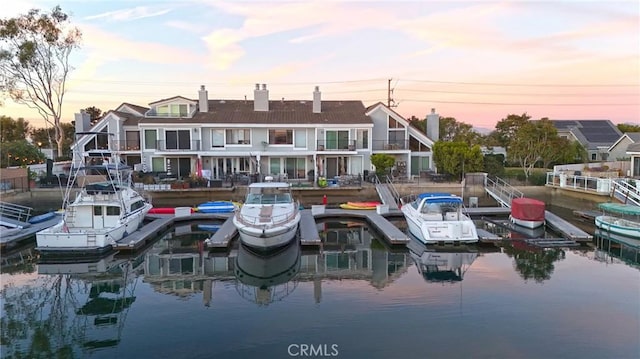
(384, 145)
(130, 145)
(336, 145)
(173, 146)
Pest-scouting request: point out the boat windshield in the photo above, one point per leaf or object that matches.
(441, 207)
(267, 196)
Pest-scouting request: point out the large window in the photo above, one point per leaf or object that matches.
(238, 137)
(150, 139)
(178, 140)
(280, 137)
(174, 110)
(133, 140)
(295, 167)
(300, 138)
(337, 140)
(217, 138)
(363, 138)
(157, 164)
(274, 165)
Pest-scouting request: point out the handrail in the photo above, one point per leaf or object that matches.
(15, 211)
(625, 192)
(392, 188)
(501, 191)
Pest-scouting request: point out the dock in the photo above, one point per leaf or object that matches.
(565, 228)
(223, 236)
(10, 238)
(486, 236)
(589, 215)
(390, 233)
(309, 235)
(143, 235)
(487, 211)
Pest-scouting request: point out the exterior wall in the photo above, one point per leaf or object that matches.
(380, 125)
(620, 150)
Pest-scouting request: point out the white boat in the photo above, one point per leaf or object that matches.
(438, 218)
(622, 219)
(269, 217)
(102, 213)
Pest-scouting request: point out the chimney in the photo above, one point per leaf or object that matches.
(83, 121)
(203, 99)
(433, 125)
(261, 98)
(317, 104)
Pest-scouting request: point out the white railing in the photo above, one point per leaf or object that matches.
(258, 221)
(501, 191)
(597, 185)
(626, 192)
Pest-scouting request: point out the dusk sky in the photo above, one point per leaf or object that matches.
(476, 61)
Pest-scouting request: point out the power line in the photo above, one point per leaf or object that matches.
(523, 94)
(524, 104)
(521, 84)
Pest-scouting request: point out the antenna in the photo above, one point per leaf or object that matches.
(390, 101)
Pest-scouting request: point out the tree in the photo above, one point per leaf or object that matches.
(452, 130)
(13, 130)
(34, 59)
(43, 136)
(383, 162)
(626, 127)
(506, 129)
(19, 153)
(95, 114)
(533, 142)
(455, 158)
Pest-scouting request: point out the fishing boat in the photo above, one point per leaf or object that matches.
(217, 207)
(438, 218)
(105, 210)
(622, 219)
(527, 212)
(269, 217)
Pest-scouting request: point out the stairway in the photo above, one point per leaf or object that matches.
(387, 193)
(625, 192)
(501, 191)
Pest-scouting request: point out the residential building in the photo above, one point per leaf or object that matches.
(633, 151)
(618, 151)
(300, 139)
(596, 136)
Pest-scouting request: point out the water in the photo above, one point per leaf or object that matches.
(356, 300)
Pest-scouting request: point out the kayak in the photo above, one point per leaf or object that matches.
(363, 204)
(164, 210)
(42, 217)
(217, 207)
(349, 206)
(209, 227)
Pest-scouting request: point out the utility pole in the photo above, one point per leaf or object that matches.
(390, 101)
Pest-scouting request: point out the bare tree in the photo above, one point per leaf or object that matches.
(34, 62)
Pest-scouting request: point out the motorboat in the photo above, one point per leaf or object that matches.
(264, 279)
(621, 219)
(105, 210)
(527, 212)
(269, 217)
(438, 218)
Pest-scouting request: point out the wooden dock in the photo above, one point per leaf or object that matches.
(144, 235)
(486, 236)
(487, 211)
(389, 232)
(309, 235)
(565, 228)
(589, 215)
(223, 236)
(13, 237)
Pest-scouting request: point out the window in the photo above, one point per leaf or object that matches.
(274, 166)
(238, 137)
(300, 138)
(133, 140)
(363, 138)
(280, 137)
(181, 110)
(396, 139)
(178, 140)
(97, 211)
(113, 211)
(157, 164)
(150, 139)
(217, 138)
(295, 167)
(394, 124)
(243, 164)
(593, 156)
(337, 140)
(136, 205)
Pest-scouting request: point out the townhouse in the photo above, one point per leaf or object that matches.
(300, 139)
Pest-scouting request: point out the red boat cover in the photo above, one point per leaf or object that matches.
(527, 209)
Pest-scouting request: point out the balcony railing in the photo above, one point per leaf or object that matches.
(384, 145)
(336, 145)
(179, 146)
(129, 145)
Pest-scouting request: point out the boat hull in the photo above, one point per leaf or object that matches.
(526, 223)
(267, 238)
(82, 239)
(434, 232)
(619, 226)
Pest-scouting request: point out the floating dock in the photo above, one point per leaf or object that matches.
(390, 232)
(487, 211)
(12, 237)
(565, 228)
(309, 235)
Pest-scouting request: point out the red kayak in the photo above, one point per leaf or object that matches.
(164, 210)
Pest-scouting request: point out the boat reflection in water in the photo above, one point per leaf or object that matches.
(611, 247)
(447, 264)
(265, 279)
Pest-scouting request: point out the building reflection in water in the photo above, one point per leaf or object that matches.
(183, 267)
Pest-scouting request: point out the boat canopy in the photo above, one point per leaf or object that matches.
(436, 197)
(620, 208)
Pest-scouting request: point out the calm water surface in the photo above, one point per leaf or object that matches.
(356, 299)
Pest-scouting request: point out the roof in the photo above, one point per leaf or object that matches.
(129, 119)
(140, 109)
(634, 136)
(620, 208)
(590, 132)
(280, 112)
(635, 147)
